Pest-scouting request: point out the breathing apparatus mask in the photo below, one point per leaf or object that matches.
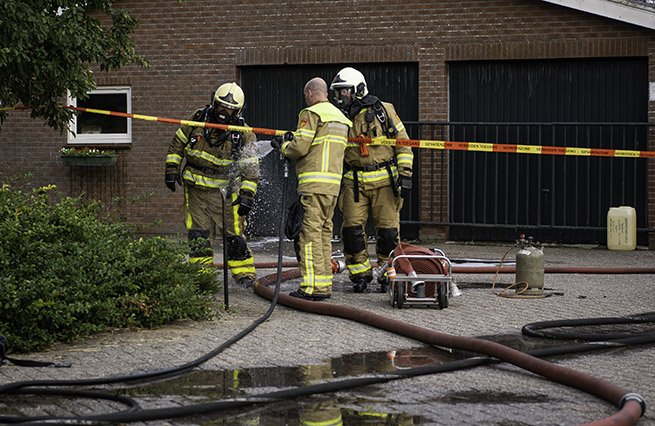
(222, 115)
(227, 102)
(347, 86)
(343, 97)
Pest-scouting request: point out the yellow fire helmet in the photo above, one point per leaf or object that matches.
(229, 95)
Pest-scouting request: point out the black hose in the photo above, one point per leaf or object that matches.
(340, 385)
(534, 329)
(226, 296)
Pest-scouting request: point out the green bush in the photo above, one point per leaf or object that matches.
(65, 273)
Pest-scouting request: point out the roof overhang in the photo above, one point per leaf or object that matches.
(632, 12)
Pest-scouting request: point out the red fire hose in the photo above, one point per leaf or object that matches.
(631, 406)
(502, 270)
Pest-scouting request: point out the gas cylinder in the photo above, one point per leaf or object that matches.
(529, 267)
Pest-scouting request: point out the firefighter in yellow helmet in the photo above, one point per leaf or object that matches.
(317, 145)
(376, 176)
(219, 172)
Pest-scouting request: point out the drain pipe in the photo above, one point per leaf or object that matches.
(631, 406)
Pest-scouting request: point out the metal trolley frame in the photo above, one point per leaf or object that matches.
(401, 284)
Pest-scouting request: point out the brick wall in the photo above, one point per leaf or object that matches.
(194, 45)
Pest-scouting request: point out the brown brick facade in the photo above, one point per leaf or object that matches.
(193, 46)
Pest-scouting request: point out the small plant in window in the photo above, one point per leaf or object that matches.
(88, 157)
(86, 152)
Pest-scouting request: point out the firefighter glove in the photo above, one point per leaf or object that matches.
(405, 186)
(245, 204)
(277, 141)
(170, 180)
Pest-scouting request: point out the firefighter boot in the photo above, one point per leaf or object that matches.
(360, 282)
(384, 283)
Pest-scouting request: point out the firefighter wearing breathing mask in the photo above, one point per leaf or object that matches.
(217, 166)
(375, 176)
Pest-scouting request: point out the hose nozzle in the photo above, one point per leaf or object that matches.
(338, 262)
(418, 287)
(454, 291)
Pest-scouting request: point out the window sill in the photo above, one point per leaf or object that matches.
(90, 161)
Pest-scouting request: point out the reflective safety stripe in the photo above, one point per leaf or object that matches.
(323, 281)
(308, 280)
(304, 132)
(246, 421)
(331, 178)
(374, 176)
(221, 162)
(180, 134)
(189, 219)
(205, 181)
(327, 142)
(358, 268)
(249, 185)
(246, 266)
(337, 421)
(405, 160)
(205, 260)
(174, 159)
(249, 160)
(320, 285)
(399, 126)
(330, 138)
(235, 215)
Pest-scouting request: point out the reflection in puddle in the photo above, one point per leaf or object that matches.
(206, 386)
(367, 408)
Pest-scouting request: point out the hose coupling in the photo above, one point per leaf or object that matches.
(633, 397)
(338, 261)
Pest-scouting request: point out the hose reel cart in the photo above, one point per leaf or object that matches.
(418, 276)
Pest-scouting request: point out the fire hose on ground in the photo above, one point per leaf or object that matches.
(631, 405)
(502, 270)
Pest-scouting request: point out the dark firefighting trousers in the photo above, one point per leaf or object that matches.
(385, 209)
(204, 222)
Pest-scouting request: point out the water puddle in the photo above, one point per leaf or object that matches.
(364, 405)
(206, 386)
(367, 407)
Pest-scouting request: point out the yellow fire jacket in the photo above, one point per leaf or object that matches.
(318, 148)
(369, 174)
(212, 158)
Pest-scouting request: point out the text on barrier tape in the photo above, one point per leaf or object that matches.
(428, 144)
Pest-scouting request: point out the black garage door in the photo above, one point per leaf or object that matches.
(274, 97)
(587, 103)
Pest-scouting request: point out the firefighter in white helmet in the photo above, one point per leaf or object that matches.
(375, 176)
(218, 163)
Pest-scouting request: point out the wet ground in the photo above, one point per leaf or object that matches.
(294, 349)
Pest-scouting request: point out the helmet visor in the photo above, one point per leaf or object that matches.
(342, 96)
(222, 113)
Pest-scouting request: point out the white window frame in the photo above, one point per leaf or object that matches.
(102, 138)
